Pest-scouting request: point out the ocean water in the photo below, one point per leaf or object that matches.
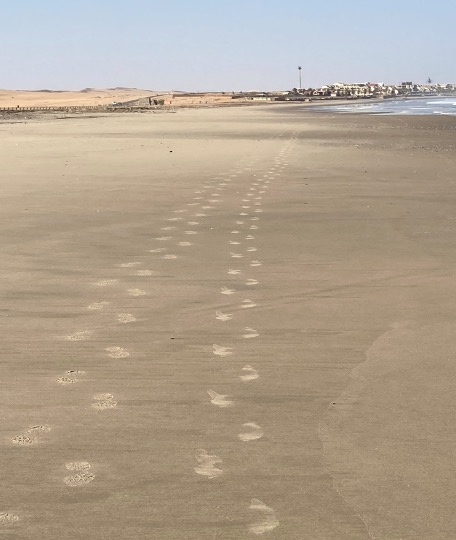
(429, 106)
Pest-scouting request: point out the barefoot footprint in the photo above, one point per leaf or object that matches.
(218, 350)
(227, 291)
(250, 333)
(253, 433)
(207, 464)
(251, 374)
(220, 400)
(270, 521)
(219, 315)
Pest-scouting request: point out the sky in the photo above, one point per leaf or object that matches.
(219, 45)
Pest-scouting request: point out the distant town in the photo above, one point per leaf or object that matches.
(356, 91)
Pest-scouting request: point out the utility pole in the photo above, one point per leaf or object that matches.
(300, 83)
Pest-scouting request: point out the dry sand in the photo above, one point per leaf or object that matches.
(91, 97)
(223, 324)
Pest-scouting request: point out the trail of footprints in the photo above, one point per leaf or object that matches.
(208, 465)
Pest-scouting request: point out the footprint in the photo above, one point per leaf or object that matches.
(236, 255)
(219, 400)
(23, 440)
(200, 214)
(240, 222)
(79, 336)
(106, 282)
(245, 207)
(254, 227)
(175, 219)
(193, 222)
(220, 316)
(185, 244)
(252, 282)
(256, 263)
(253, 434)
(250, 237)
(207, 465)
(257, 204)
(234, 243)
(70, 377)
(258, 211)
(104, 401)
(158, 250)
(254, 219)
(171, 228)
(243, 214)
(66, 380)
(39, 429)
(103, 397)
(164, 238)
(7, 518)
(136, 292)
(251, 249)
(207, 207)
(246, 304)
(180, 211)
(191, 232)
(169, 257)
(144, 273)
(126, 318)
(193, 204)
(129, 265)
(235, 232)
(222, 351)
(97, 306)
(117, 352)
(78, 466)
(79, 480)
(270, 521)
(227, 291)
(233, 272)
(251, 374)
(250, 333)
(104, 405)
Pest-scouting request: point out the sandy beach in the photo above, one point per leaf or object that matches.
(228, 324)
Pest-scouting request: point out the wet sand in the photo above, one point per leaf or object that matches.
(223, 324)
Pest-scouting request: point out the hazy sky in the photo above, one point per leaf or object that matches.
(223, 45)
